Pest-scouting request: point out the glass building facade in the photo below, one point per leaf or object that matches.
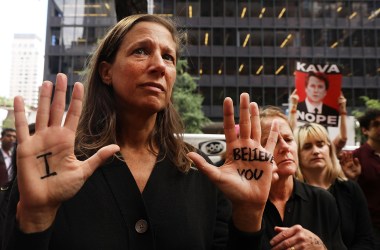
(74, 28)
(235, 46)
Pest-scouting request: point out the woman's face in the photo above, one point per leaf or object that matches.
(144, 69)
(285, 152)
(315, 153)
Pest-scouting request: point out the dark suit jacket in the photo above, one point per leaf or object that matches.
(5, 187)
(182, 211)
(3, 171)
(327, 111)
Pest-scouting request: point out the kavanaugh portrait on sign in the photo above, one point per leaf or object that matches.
(318, 87)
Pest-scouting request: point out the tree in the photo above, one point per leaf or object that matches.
(370, 104)
(6, 102)
(187, 101)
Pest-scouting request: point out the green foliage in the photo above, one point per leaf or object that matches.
(187, 101)
(369, 103)
(6, 102)
(8, 123)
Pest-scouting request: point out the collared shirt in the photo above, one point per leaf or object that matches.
(311, 108)
(8, 162)
(311, 207)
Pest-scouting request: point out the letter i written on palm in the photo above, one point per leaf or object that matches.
(48, 171)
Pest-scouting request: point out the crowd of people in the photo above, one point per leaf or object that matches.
(115, 172)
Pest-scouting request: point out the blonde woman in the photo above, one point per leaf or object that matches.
(319, 166)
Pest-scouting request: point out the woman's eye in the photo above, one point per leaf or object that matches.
(321, 144)
(306, 146)
(140, 51)
(289, 140)
(168, 57)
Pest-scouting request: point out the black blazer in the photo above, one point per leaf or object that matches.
(177, 210)
(356, 224)
(3, 171)
(329, 116)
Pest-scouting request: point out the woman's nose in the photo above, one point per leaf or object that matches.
(158, 64)
(316, 150)
(284, 147)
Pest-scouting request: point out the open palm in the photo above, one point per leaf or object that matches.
(246, 175)
(48, 171)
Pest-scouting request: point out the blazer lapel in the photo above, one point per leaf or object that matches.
(130, 202)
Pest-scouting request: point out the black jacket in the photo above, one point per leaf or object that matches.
(356, 224)
(181, 211)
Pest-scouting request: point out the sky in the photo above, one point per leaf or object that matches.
(18, 16)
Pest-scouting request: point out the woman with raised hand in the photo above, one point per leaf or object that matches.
(118, 175)
(319, 166)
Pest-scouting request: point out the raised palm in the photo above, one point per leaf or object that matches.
(246, 176)
(48, 171)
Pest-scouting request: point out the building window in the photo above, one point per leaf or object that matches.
(218, 96)
(206, 93)
(218, 8)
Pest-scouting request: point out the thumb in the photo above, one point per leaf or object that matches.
(98, 158)
(212, 172)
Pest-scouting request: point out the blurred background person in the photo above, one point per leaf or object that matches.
(8, 140)
(368, 177)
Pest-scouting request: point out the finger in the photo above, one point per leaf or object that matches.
(43, 110)
(229, 120)
(92, 163)
(21, 124)
(350, 157)
(356, 162)
(294, 92)
(75, 108)
(244, 119)
(255, 122)
(212, 172)
(280, 229)
(273, 137)
(283, 234)
(57, 108)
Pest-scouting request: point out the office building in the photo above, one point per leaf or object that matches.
(73, 30)
(27, 60)
(235, 46)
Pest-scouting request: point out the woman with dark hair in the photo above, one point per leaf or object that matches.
(117, 174)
